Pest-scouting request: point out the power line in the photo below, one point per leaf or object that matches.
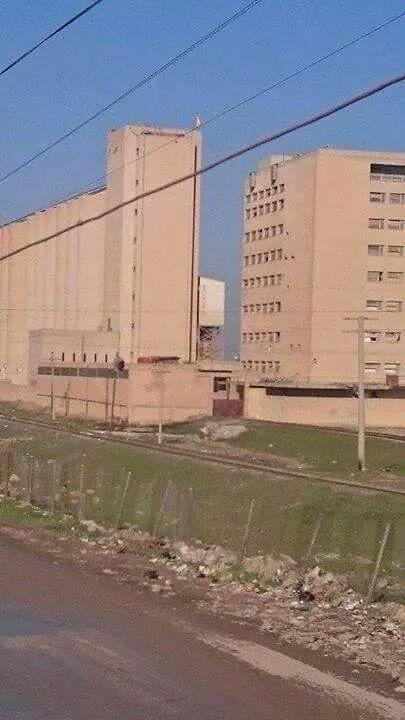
(217, 163)
(250, 98)
(44, 40)
(134, 88)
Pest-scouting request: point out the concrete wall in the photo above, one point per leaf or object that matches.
(380, 412)
(186, 393)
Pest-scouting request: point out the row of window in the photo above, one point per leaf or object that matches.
(390, 368)
(395, 250)
(269, 337)
(387, 177)
(264, 233)
(264, 209)
(383, 223)
(390, 336)
(380, 276)
(265, 193)
(387, 305)
(265, 308)
(82, 357)
(264, 257)
(380, 197)
(262, 365)
(263, 281)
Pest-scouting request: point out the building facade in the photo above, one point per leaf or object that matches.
(126, 283)
(324, 242)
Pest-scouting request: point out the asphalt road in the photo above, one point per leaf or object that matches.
(77, 646)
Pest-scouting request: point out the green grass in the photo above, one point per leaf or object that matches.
(322, 451)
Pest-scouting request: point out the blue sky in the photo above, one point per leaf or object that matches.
(120, 42)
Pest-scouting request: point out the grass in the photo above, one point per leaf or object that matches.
(322, 451)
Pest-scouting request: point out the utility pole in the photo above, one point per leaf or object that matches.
(361, 439)
(361, 431)
(52, 386)
(161, 400)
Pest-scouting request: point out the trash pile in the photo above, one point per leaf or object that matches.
(222, 431)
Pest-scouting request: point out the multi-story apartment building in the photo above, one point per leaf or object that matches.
(324, 241)
(126, 283)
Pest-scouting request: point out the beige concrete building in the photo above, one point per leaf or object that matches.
(127, 283)
(324, 240)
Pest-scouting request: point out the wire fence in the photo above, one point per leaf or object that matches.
(340, 530)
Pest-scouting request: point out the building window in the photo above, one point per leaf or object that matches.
(392, 336)
(395, 224)
(253, 235)
(247, 237)
(281, 204)
(244, 336)
(258, 307)
(261, 194)
(397, 198)
(74, 357)
(258, 282)
(274, 206)
(254, 212)
(259, 258)
(106, 358)
(277, 306)
(278, 279)
(219, 384)
(280, 229)
(394, 305)
(276, 366)
(372, 367)
(282, 187)
(260, 234)
(391, 368)
(245, 308)
(397, 250)
(395, 276)
(84, 357)
(263, 366)
(279, 254)
(246, 260)
(277, 336)
(266, 232)
(247, 214)
(251, 308)
(376, 223)
(254, 196)
(261, 209)
(267, 206)
(272, 279)
(371, 336)
(266, 257)
(63, 357)
(375, 249)
(268, 192)
(247, 198)
(253, 259)
(95, 357)
(269, 365)
(274, 190)
(374, 304)
(273, 230)
(265, 308)
(245, 283)
(249, 364)
(377, 197)
(265, 281)
(374, 276)
(252, 282)
(257, 337)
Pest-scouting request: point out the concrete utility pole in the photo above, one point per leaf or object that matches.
(361, 430)
(361, 440)
(52, 386)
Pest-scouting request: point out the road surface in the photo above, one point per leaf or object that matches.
(81, 646)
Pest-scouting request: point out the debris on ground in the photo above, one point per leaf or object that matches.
(221, 431)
